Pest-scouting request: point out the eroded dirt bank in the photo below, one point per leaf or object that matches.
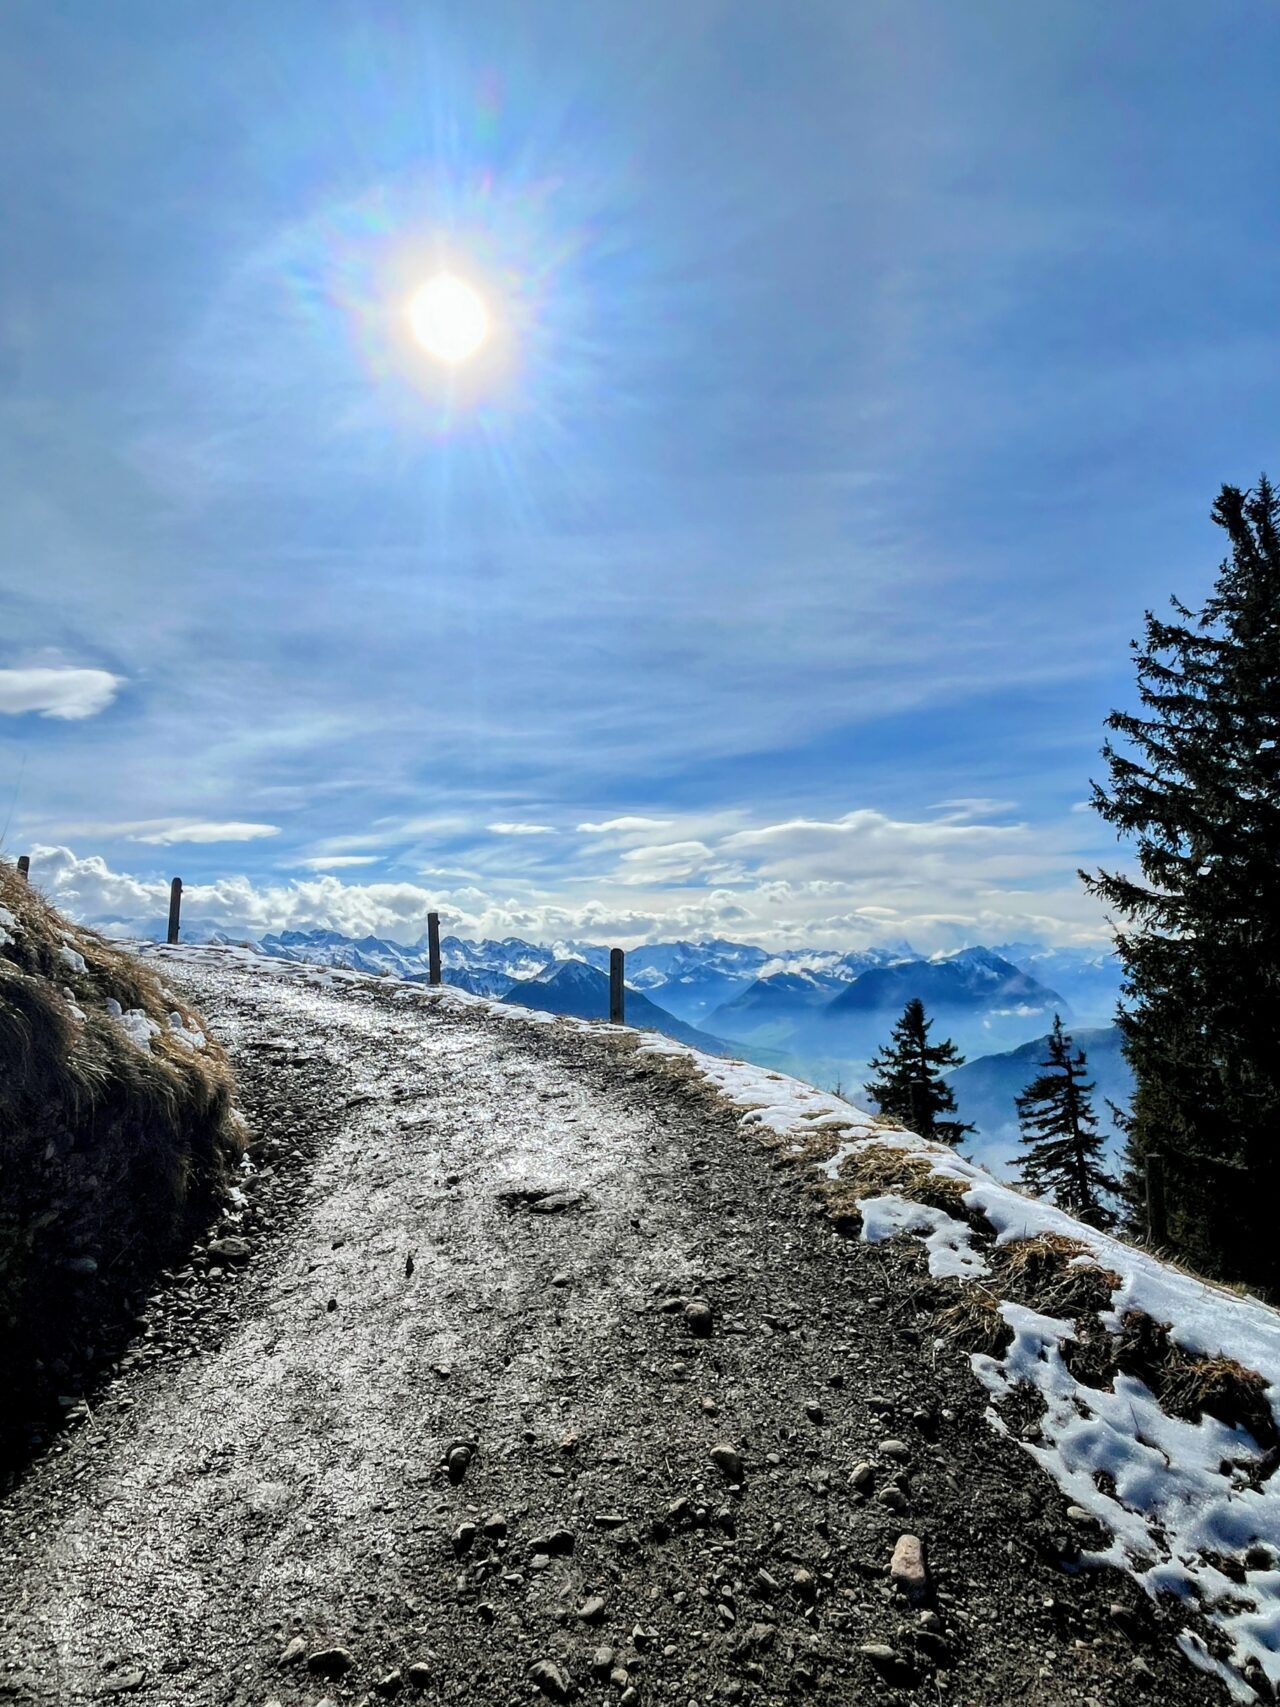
(482, 1234)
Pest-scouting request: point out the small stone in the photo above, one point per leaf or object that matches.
(231, 1249)
(458, 1461)
(1077, 1514)
(881, 1654)
(813, 1410)
(330, 1662)
(602, 1662)
(550, 1680)
(390, 1684)
(556, 1545)
(907, 1567)
(897, 1449)
(609, 1520)
(709, 1406)
(630, 1696)
(862, 1476)
(463, 1536)
(495, 1526)
(294, 1651)
(561, 1279)
(642, 1639)
(125, 1681)
(804, 1585)
(1126, 1621)
(728, 1461)
(592, 1610)
(934, 1646)
(764, 1583)
(698, 1317)
(418, 1674)
(893, 1499)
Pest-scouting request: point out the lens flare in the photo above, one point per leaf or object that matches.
(450, 319)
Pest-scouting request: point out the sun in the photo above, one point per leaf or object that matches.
(450, 319)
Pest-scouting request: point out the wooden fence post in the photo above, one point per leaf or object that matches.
(1157, 1224)
(433, 948)
(175, 908)
(617, 990)
(24, 867)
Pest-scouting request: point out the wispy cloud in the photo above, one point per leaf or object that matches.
(166, 832)
(509, 829)
(614, 826)
(336, 862)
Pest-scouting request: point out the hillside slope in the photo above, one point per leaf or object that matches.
(549, 1374)
(117, 1138)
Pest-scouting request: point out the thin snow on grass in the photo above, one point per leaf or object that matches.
(947, 1241)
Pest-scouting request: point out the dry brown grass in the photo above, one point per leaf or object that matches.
(1046, 1273)
(974, 1322)
(111, 1151)
(879, 1170)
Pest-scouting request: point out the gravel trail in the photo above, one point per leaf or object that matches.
(448, 1433)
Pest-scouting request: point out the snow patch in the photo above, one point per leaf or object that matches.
(948, 1241)
(137, 1026)
(69, 957)
(193, 1038)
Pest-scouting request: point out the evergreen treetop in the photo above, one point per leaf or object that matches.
(910, 1086)
(1065, 1150)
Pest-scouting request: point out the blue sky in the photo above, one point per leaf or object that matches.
(862, 371)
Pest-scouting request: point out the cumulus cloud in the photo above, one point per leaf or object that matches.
(57, 691)
(844, 882)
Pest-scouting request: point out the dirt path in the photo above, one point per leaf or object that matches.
(483, 1231)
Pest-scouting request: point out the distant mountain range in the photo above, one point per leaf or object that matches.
(573, 987)
(843, 1012)
(815, 1004)
(817, 1013)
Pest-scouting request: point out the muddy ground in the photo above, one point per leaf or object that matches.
(442, 1429)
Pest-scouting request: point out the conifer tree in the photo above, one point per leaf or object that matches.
(910, 1086)
(1064, 1157)
(1197, 787)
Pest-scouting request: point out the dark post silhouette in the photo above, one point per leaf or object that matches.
(617, 993)
(24, 867)
(433, 948)
(1157, 1228)
(175, 908)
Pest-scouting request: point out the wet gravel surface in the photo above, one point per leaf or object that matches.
(446, 1428)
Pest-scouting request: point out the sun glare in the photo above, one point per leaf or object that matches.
(450, 319)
